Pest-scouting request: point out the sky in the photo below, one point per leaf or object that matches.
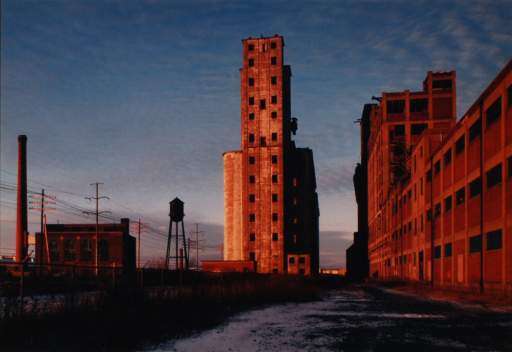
(144, 96)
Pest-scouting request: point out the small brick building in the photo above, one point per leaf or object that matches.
(73, 244)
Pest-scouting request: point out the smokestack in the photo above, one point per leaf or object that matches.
(21, 205)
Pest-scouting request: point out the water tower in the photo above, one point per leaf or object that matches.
(176, 215)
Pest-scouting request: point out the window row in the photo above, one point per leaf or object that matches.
(252, 159)
(273, 45)
(273, 61)
(252, 217)
(252, 198)
(263, 140)
(263, 102)
(251, 81)
(273, 115)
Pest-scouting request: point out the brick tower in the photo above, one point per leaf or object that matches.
(258, 180)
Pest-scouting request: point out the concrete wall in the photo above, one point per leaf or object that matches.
(233, 244)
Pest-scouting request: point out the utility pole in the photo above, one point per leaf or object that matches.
(197, 233)
(138, 249)
(97, 212)
(38, 202)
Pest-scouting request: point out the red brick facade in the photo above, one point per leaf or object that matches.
(450, 185)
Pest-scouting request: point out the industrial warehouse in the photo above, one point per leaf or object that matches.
(438, 196)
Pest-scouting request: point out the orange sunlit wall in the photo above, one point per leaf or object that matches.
(440, 195)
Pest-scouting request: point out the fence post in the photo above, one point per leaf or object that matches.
(114, 274)
(73, 286)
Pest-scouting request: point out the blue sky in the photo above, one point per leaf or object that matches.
(144, 95)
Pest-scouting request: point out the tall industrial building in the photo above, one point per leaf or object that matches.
(439, 192)
(271, 205)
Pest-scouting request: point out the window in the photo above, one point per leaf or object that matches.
(252, 256)
(273, 45)
(493, 113)
(69, 249)
(494, 176)
(273, 99)
(273, 80)
(54, 250)
(263, 141)
(475, 244)
(252, 198)
(459, 145)
(273, 60)
(494, 240)
(442, 84)
(395, 106)
(448, 203)
(475, 130)
(252, 237)
(437, 210)
(419, 105)
(252, 179)
(429, 176)
(103, 250)
(85, 250)
(302, 260)
(252, 160)
(274, 159)
(251, 62)
(475, 187)
(437, 167)
(274, 197)
(274, 216)
(251, 116)
(510, 166)
(275, 237)
(460, 196)
(251, 81)
(509, 95)
(274, 178)
(447, 157)
(448, 250)
(251, 47)
(418, 128)
(437, 252)
(252, 217)
(263, 104)
(274, 136)
(274, 114)
(251, 100)
(399, 130)
(251, 138)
